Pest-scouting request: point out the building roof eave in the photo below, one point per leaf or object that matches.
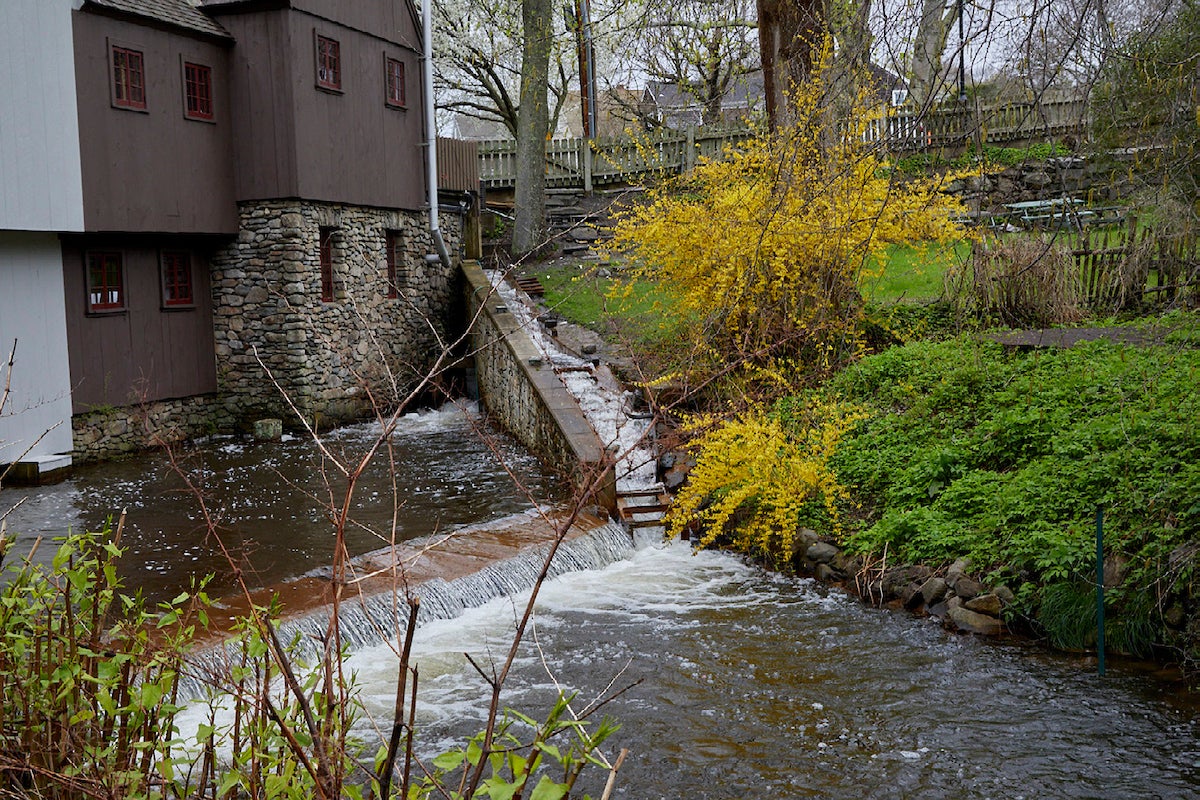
(177, 15)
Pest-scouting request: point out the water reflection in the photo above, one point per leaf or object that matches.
(271, 500)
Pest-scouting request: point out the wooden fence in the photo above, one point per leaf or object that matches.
(1122, 267)
(620, 159)
(905, 129)
(571, 163)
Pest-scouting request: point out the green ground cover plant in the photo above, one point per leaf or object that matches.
(989, 156)
(972, 451)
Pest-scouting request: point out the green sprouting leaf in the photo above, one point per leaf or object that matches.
(474, 753)
(550, 750)
(499, 789)
(549, 790)
(449, 761)
(82, 715)
(518, 715)
(150, 695)
(79, 579)
(182, 597)
(517, 763)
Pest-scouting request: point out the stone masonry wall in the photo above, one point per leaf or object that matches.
(110, 432)
(323, 356)
(1098, 180)
(525, 395)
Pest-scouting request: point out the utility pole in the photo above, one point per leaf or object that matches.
(587, 67)
(962, 51)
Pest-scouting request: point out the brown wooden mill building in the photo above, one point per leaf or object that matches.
(193, 194)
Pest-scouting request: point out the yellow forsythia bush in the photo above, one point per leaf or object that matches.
(756, 473)
(763, 252)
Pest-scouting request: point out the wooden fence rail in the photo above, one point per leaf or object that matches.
(572, 163)
(619, 159)
(905, 129)
(1123, 267)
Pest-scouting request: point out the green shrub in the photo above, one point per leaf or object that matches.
(1003, 457)
(90, 678)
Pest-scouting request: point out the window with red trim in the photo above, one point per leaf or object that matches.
(105, 281)
(197, 91)
(329, 63)
(395, 257)
(326, 244)
(129, 81)
(176, 269)
(394, 70)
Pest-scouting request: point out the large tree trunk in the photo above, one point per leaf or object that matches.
(789, 34)
(533, 120)
(928, 74)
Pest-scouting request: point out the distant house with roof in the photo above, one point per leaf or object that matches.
(671, 105)
(202, 203)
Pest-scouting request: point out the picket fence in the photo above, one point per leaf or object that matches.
(576, 163)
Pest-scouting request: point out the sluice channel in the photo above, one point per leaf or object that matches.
(731, 682)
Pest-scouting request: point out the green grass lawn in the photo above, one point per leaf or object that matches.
(912, 274)
(580, 293)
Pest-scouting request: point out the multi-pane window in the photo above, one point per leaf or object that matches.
(105, 281)
(326, 245)
(395, 260)
(394, 71)
(129, 80)
(329, 63)
(197, 91)
(176, 269)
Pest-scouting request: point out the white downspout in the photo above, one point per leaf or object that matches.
(431, 135)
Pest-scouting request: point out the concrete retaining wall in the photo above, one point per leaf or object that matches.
(525, 396)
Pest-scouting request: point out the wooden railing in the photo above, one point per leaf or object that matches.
(905, 129)
(623, 159)
(620, 159)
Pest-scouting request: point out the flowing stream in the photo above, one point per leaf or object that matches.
(730, 682)
(271, 499)
(749, 684)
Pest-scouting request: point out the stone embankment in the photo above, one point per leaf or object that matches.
(960, 601)
(1096, 180)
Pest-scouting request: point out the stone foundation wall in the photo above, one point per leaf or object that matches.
(326, 357)
(111, 432)
(1099, 181)
(525, 396)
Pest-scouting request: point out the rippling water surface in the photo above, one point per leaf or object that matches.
(270, 499)
(743, 684)
(752, 685)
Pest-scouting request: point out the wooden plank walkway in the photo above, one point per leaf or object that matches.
(1069, 337)
(643, 508)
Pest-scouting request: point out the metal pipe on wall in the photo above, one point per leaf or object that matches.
(431, 164)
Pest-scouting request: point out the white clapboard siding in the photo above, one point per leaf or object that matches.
(32, 312)
(40, 184)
